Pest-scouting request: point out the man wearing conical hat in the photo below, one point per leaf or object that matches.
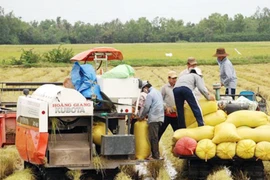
(227, 73)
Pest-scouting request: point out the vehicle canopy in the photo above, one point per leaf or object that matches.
(98, 55)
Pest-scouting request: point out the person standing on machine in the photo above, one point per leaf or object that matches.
(227, 73)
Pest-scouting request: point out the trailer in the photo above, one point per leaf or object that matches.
(197, 168)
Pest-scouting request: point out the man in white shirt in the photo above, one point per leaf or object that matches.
(183, 91)
(169, 104)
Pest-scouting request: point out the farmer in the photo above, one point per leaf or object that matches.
(191, 63)
(183, 92)
(153, 107)
(227, 73)
(68, 83)
(168, 102)
(135, 117)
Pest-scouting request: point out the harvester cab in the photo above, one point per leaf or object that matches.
(59, 127)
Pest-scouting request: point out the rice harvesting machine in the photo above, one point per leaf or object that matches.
(55, 126)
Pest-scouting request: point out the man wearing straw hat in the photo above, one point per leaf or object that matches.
(191, 63)
(227, 73)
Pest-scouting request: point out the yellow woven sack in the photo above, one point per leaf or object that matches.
(142, 145)
(262, 150)
(245, 148)
(207, 107)
(205, 149)
(261, 133)
(98, 131)
(212, 119)
(198, 133)
(215, 118)
(193, 125)
(247, 118)
(226, 150)
(267, 126)
(225, 132)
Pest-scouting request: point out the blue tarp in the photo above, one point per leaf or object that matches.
(84, 80)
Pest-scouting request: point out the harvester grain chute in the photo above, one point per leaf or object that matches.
(55, 124)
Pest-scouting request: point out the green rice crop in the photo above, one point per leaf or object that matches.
(143, 54)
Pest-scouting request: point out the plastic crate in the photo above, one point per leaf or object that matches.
(248, 94)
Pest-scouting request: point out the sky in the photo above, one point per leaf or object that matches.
(101, 11)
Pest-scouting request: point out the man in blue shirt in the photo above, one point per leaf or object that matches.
(154, 109)
(227, 73)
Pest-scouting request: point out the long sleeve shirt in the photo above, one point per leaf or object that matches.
(141, 102)
(227, 73)
(195, 91)
(168, 98)
(167, 95)
(153, 106)
(192, 81)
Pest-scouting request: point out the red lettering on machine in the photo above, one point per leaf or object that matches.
(61, 105)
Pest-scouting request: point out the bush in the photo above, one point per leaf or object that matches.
(29, 57)
(59, 55)
(15, 61)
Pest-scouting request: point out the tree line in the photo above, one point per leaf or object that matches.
(214, 28)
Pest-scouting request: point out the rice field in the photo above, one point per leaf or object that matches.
(250, 77)
(239, 51)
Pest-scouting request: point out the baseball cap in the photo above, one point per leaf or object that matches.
(172, 74)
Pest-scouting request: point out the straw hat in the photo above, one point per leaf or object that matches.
(191, 61)
(220, 52)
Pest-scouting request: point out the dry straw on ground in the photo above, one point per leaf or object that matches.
(122, 176)
(25, 174)
(74, 174)
(9, 161)
(221, 173)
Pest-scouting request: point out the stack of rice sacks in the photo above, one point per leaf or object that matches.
(243, 133)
